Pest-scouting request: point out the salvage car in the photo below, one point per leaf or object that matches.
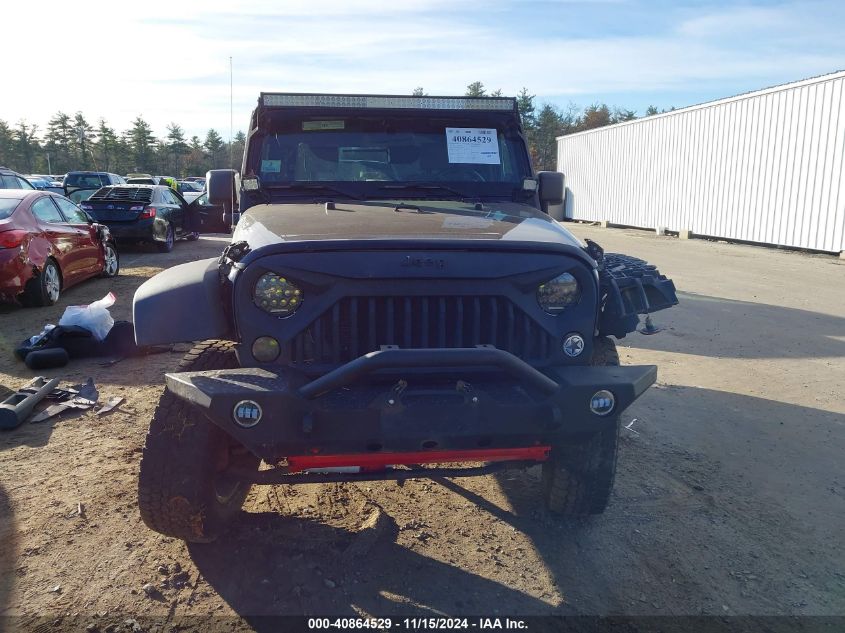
(395, 302)
(141, 213)
(48, 244)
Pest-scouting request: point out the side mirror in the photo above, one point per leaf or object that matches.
(224, 188)
(551, 189)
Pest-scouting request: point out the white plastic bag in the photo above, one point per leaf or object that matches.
(94, 317)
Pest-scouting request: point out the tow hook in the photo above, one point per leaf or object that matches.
(466, 388)
(396, 391)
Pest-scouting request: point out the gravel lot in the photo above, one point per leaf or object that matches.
(729, 497)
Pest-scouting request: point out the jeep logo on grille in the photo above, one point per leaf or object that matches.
(423, 262)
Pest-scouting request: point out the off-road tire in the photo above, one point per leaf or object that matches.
(578, 478)
(37, 292)
(177, 493)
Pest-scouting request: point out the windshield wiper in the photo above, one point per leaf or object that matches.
(428, 187)
(316, 187)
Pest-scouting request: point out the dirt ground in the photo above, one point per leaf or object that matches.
(729, 499)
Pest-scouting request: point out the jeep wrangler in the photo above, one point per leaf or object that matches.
(395, 302)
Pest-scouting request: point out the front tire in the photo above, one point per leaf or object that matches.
(111, 261)
(578, 478)
(180, 492)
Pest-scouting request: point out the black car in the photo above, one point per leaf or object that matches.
(147, 213)
(395, 296)
(79, 185)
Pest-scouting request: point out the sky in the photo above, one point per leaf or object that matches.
(169, 61)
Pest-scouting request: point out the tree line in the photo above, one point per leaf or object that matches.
(71, 143)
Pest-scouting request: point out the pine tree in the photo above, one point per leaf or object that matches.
(549, 127)
(195, 162)
(141, 143)
(525, 103)
(621, 114)
(595, 115)
(238, 148)
(26, 146)
(214, 147)
(176, 146)
(418, 92)
(59, 141)
(6, 144)
(83, 134)
(475, 89)
(106, 146)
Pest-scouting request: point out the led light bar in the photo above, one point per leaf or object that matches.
(364, 101)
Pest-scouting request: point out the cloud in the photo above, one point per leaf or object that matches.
(174, 66)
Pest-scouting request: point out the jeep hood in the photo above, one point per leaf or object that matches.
(268, 224)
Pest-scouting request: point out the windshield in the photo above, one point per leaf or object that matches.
(86, 181)
(392, 154)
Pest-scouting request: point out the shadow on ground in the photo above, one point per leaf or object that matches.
(707, 326)
(680, 525)
(281, 565)
(8, 552)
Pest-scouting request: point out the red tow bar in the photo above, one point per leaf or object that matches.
(377, 461)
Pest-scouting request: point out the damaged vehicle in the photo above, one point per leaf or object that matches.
(48, 244)
(395, 302)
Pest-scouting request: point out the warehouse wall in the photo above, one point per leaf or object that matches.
(765, 167)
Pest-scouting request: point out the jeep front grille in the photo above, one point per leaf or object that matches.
(357, 325)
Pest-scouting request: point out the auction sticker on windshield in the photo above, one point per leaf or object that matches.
(472, 145)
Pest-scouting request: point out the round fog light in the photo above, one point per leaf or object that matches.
(265, 349)
(247, 413)
(602, 402)
(573, 345)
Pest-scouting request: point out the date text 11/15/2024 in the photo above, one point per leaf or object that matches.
(417, 624)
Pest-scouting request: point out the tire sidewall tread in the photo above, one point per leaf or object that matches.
(176, 494)
(578, 477)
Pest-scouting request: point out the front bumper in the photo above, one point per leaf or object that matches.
(411, 400)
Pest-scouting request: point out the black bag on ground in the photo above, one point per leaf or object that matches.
(80, 343)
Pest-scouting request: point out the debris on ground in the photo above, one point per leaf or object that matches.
(110, 405)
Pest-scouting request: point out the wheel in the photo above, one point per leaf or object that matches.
(169, 240)
(180, 491)
(577, 478)
(111, 265)
(44, 290)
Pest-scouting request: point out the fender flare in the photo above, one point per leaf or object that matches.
(181, 304)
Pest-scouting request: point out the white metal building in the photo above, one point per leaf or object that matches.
(765, 166)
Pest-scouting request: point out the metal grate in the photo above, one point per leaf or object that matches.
(357, 325)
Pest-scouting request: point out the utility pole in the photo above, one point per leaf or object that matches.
(49, 169)
(231, 126)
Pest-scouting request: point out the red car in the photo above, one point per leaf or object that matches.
(47, 244)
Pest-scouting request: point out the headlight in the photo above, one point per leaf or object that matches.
(277, 295)
(561, 292)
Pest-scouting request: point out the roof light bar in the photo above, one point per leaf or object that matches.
(364, 101)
